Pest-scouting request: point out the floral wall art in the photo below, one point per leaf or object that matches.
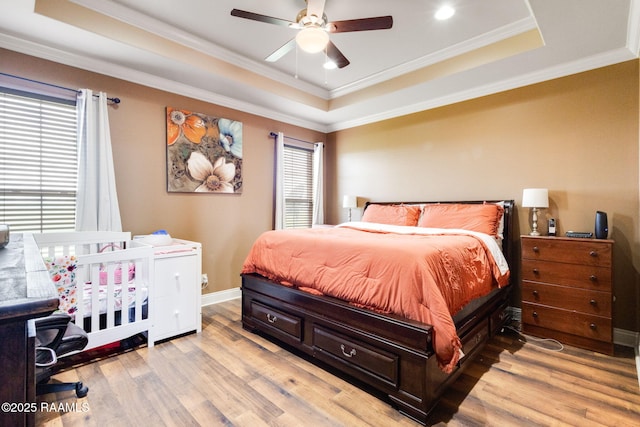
(204, 153)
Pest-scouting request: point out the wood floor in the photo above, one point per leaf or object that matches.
(229, 377)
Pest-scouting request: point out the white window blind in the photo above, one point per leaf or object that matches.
(298, 187)
(38, 162)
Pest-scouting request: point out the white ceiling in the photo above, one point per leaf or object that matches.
(196, 48)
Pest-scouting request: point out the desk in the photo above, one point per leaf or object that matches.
(26, 292)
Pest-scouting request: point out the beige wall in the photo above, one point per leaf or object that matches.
(576, 136)
(226, 225)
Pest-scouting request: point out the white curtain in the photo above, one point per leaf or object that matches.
(96, 201)
(318, 181)
(279, 184)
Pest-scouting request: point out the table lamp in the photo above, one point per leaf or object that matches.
(350, 202)
(535, 198)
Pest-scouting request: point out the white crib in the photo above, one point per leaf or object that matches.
(112, 278)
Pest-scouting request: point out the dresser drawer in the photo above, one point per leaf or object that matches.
(575, 251)
(351, 353)
(580, 276)
(584, 325)
(277, 320)
(567, 298)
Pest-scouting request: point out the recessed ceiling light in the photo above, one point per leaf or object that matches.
(445, 12)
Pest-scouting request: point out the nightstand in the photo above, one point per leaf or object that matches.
(567, 290)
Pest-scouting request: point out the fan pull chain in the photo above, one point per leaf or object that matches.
(296, 76)
(326, 59)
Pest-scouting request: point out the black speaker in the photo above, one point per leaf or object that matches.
(602, 229)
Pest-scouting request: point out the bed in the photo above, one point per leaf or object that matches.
(387, 333)
(103, 281)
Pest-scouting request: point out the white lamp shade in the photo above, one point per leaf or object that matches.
(535, 198)
(350, 202)
(312, 39)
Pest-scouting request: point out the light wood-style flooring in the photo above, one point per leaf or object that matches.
(227, 376)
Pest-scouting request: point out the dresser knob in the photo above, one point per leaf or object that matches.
(536, 249)
(593, 302)
(536, 271)
(593, 278)
(535, 294)
(593, 326)
(593, 253)
(535, 314)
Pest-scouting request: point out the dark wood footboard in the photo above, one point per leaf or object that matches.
(392, 355)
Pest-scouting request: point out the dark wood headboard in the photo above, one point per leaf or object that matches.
(509, 207)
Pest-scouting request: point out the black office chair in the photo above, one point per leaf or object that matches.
(56, 337)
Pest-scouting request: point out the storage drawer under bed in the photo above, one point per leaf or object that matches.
(474, 339)
(351, 353)
(277, 320)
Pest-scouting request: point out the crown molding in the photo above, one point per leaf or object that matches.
(470, 45)
(149, 80)
(563, 70)
(633, 28)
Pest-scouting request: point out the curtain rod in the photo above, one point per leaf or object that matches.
(274, 134)
(114, 100)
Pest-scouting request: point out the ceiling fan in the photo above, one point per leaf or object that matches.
(314, 30)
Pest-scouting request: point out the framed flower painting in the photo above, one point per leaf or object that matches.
(204, 153)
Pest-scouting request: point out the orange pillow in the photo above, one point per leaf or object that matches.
(392, 214)
(484, 218)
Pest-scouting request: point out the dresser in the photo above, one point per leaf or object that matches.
(567, 290)
(178, 290)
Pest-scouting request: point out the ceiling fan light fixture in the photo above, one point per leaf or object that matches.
(312, 39)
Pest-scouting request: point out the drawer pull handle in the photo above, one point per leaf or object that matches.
(535, 314)
(536, 271)
(593, 326)
(593, 278)
(536, 249)
(271, 318)
(478, 338)
(344, 352)
(593, 253)
(535, 293)
(593, 302)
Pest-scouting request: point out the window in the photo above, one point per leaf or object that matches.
(38, 162)
(298, 187)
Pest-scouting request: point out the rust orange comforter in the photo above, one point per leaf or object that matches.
(427, 278)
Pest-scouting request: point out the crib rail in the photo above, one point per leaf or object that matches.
(79, 242)
(113, 276)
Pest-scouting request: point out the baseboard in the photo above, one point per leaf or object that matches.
(621, 337)
(220, 296)
(625, 337)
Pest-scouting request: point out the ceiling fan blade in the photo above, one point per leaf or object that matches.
(281, 51)
(336, 56)
(263, 18)
(315, 7)
(364, 24)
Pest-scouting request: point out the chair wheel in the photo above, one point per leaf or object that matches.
(81, 390)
